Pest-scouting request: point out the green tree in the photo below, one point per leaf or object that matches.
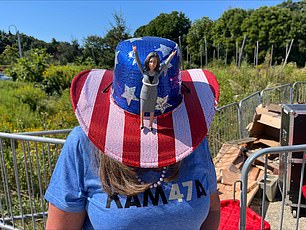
(200, 30)
(294, 6)
(102, 49)
(227, 30)
(5, 40)
(30, 68)
(114, 35)
(269, 26)
(64, 52)
(94, 47)
(169, 26)
(298, 33)
(9, 55)
(29, 42)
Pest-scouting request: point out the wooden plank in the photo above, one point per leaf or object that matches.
(270, 120)
(260, 110)
(238, 163)
(251, 186)
(271, 143)
(274, 108)
(253, 174)
(226, 192)
(228, 177)
(233, 168)
(262, 168)
(271, 165)
(224, 159)
(251, 194)
(242, 141)
(230, 150)
(270, 110)
(255, 129)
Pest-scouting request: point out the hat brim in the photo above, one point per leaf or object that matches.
(117, 133)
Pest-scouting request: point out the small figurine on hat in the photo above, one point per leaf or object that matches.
(151, 73)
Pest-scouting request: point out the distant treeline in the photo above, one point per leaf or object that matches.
(268, 31)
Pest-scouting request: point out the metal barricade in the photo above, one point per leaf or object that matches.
(224, 127)
(284, 150)
(247, 108)
(231, 121)
(62, 133)
(299, 92)
(26, 165)
(276, 95)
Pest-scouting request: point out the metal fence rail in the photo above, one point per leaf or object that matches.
(220, 131)
(244, 180)
(276, 95)
(247, 107)
(298, 93)
(48, 133)
(225, 127)
(26, 164)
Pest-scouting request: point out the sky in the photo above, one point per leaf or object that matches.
(69, 20)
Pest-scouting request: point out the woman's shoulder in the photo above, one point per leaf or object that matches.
(77, 133)
(78, 140)
(200, 156)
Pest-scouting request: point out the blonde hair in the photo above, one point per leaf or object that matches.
(117, 178)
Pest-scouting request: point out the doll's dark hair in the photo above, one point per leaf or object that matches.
(146, 63)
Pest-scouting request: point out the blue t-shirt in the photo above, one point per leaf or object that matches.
(180, 204)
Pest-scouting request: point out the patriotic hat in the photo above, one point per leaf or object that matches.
(107, 106)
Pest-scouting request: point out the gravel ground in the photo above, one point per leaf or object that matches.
(273, 213)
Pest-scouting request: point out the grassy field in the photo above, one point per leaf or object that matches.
(26, 107)
(237, 83)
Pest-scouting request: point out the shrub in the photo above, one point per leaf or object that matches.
(58, 78)
(34, 97)
(31, 67)
(16, 116)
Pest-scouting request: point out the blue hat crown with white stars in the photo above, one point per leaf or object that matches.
(127, 80)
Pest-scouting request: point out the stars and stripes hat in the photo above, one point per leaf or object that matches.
(107, 106)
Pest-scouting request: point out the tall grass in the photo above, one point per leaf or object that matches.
(25, 107)
(237, 83)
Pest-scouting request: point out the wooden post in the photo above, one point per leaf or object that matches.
(93, 56)
(226, 56)
(255, 56)
(218, 49)
(287, 53)
(214, 54)
(257, 47)
(205, 51)
(241, 51)
(187, 56)
(201, 56)
(181, 54)
(236, 53)
(271, 60)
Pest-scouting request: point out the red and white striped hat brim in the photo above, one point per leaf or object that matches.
(116, 132)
